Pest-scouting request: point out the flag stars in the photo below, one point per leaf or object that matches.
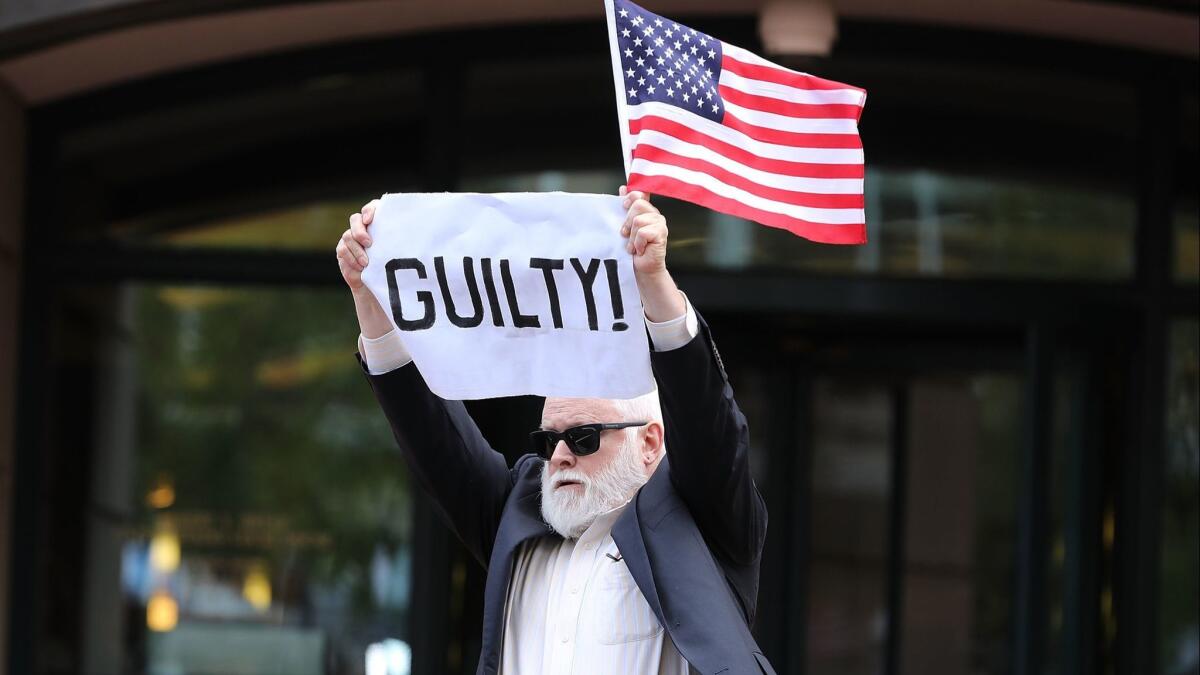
(658, 22)
(625, 33)
(686, 98)
(629, 53)
(658, 42)
(662, 80)
(637, 42)
(687, 37)
(642, 82)
(629, 73)
(640, 61)
(671, 93)
(632, 93)
(712, 54)
(715, 108)
(624, 13)
(649, 51)
(650, 89)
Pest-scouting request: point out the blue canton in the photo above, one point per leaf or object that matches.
(665, 62)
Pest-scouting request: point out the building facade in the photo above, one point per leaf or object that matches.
(977, 435)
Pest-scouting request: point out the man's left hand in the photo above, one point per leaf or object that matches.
(646, 229)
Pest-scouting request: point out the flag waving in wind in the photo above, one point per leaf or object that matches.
(713, 124)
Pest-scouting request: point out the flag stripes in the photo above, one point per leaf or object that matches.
(729, 130)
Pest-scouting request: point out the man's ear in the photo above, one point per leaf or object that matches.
(652, 443)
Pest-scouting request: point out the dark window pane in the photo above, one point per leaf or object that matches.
(258, 143)
(961, 523)
(851, 470)
(1179, 599)
(596, 181)
(1185, 220)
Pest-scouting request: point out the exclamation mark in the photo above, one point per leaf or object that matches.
(614, 289)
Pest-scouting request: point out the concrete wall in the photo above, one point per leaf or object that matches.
(12, 191)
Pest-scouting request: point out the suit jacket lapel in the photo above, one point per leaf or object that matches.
(627, 534)
(521, 522)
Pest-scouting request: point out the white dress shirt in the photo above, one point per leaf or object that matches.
(574, 609)
(572, 606)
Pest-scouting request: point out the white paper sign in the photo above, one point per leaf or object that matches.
(510, 294)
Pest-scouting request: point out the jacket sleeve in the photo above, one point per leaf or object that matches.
(468, 480)
(708, 448)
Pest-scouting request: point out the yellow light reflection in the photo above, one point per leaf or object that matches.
(162, 495)
(162, 612)
(256, 588)
(164, 550)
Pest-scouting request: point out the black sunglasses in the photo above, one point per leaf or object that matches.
(581, 440)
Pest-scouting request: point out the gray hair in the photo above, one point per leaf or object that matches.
(644, 408)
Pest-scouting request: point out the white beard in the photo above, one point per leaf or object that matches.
(570, 513)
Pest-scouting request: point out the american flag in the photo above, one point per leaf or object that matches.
(716, 125)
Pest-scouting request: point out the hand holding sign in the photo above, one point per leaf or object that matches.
(499, 295)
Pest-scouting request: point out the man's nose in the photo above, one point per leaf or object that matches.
(562, 458)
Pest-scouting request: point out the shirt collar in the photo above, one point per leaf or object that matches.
(602, 526)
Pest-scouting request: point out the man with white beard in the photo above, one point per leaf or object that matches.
(628, 541)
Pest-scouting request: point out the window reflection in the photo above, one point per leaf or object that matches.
(1185, 220)
(931, 223)
(851, 467)
(249, 513)
(961, 523)
(313, 226)
(1179, 598)
(921, 223)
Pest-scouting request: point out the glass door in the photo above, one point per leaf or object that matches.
(912, 522)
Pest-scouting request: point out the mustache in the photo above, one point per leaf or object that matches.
(569, 476)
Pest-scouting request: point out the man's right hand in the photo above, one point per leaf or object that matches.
(352, 247)
(352, 258)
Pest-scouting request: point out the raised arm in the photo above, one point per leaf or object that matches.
(707, 438)
(452, 462)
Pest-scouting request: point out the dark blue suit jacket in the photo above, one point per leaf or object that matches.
(692, 537)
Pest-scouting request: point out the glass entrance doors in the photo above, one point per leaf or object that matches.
(912, 522)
